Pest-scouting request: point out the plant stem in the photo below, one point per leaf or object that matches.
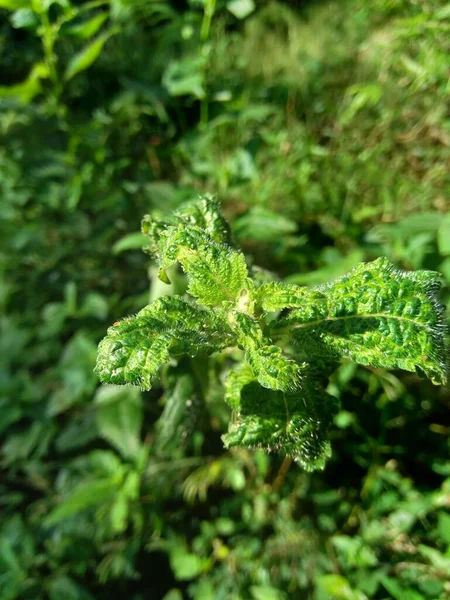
(48, 43)
(205, 30)
(210, 8)
(279, 479)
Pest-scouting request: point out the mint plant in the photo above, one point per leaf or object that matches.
(290, 337)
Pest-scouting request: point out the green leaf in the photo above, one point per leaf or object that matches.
(205, 214)
(216, 273)
(263, 225)
(15, 4)
(438, 560)
(29, 88)
(338, 587)
(33, 440)
(185, 565)
(132, 241)
(241, 8)
(136, 347)
(444, 527)
(276, 296)
(171, 426)
(186, 77)
(83, 497)
(119, 418)
(235, 380)
(354, 553)
(271, 368)
(292, 424)
(65, 587)
(443, 237)
(173, 594)
(339, 266)
(399, 592)
(118, 514)
(202, 214)
(94, 305)
(24, 18)
(88, 28)
(76, 377)
(377, 315)
(86, 57)
(443, 13)
(80, 430)
(266, 592)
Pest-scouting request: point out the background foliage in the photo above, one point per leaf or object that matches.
(324, 129)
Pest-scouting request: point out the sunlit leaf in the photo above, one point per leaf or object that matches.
(276, 296)
(15, 4)
(377, 315)
(136, 347)
(216, 273)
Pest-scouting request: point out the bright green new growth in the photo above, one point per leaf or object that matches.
(376, 315)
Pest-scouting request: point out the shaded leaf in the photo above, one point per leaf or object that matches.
(132, 241)
(86, 57)
(338, 267)
(186, 77)
(271, 368)
(29, 88)
(119, 418)
(65, 587)
(88, 28)
(263, 225)
(172, 424)
(398, 591)
(84, 496)
(443, 236)
(292, 424)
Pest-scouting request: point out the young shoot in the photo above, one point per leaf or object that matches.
(376, 315)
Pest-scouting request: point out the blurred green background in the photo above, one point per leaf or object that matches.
(324, 128)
